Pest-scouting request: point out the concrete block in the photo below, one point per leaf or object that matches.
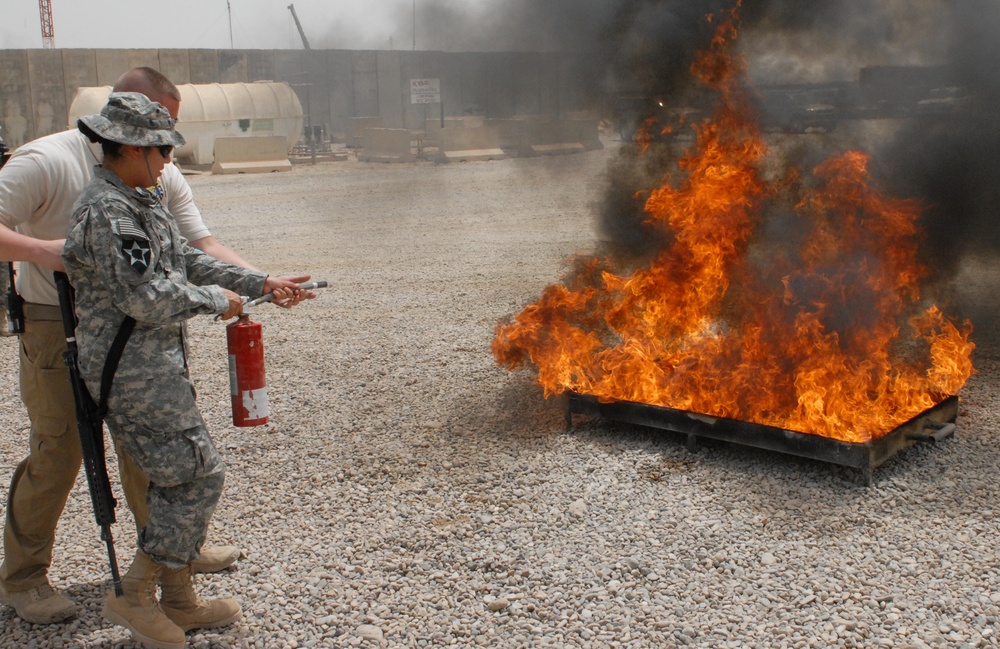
(364, 84)
(389, 82)
(241, 155)
(558, 148)
(48, 91)
(465, 144)
(528, 135)
(175, 64)
(555, 137)
(232, 66)
(356, 127)
(461, 121)
(111, 64)
(432, 128)
(144, 57)
(341, 99)
(587, 132)
(513, 136)
(79, 70)
(386, 145)
(15, 107)
(453, 122)
(204, 66)
(475, 83)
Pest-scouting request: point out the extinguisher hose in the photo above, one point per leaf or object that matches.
(267, 297)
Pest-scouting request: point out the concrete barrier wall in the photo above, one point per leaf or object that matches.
(551, 136)
(37, 86)
(432, 128)
(470, 143)
(529, 135)
(356, 129)
(243, 155)
(386, 145)
(513, 135)
(587, 132)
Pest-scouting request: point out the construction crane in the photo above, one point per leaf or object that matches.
(48, 30)
(302, 33)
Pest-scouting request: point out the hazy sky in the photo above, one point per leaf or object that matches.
(256, 24)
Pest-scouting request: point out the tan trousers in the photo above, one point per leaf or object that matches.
(42, 481)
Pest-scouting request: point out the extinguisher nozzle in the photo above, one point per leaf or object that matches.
(267, 297)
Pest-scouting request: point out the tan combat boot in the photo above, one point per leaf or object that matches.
(39, 605)
(138, 609)
(216, 558)
(188, 611)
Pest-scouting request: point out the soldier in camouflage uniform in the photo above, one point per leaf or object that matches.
(38, 187)
(125, 257)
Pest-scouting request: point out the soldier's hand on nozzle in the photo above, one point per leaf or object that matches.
(286, 290)
(235, 305)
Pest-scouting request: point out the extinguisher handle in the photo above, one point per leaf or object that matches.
(267, 297)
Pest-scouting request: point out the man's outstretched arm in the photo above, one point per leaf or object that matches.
(212, 247)
(15, 246)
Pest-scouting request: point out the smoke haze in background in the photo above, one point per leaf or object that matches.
(641, 52)
(954, 165)
(644, 48)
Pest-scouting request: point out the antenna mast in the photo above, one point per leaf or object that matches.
(48, 30)
(229, 9)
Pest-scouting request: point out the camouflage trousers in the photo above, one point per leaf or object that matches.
(186, 475)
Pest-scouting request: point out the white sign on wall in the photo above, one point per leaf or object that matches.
(425, 91)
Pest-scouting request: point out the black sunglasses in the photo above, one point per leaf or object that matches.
(165, 150)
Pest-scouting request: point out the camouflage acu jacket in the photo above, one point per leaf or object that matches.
(125, 256)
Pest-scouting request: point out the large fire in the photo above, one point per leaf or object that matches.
(828, 336)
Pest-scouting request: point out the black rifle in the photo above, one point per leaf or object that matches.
(15, 303)
(4, 156)
(90, 423)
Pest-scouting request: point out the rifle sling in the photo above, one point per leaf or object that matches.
(111, 364)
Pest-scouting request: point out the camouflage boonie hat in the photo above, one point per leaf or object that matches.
(131, 118)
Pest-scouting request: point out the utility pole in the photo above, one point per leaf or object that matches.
(229, 9)
(414, 24)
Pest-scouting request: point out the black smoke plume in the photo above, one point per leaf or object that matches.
(916, 84)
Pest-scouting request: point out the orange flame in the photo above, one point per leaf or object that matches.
(820, 338)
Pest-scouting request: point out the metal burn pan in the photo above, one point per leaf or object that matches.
(933, 425)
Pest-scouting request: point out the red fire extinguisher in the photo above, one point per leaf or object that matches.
(247, 379)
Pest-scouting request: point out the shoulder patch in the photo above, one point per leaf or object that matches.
(137, 253)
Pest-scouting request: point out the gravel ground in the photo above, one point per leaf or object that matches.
(409, 493)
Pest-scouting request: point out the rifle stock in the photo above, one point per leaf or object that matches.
(90, 424)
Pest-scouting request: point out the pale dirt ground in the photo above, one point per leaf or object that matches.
(405, 482)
